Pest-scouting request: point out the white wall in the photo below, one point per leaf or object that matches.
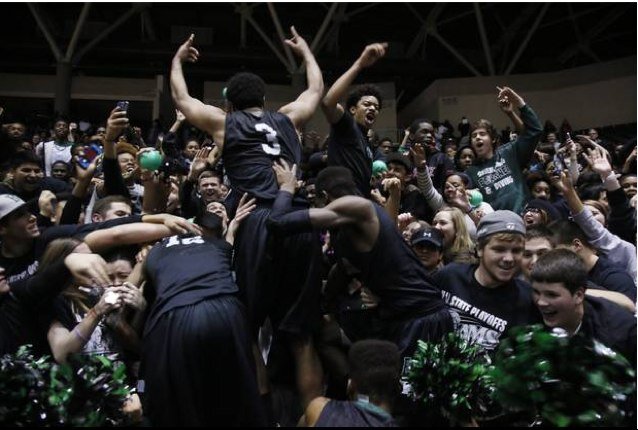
(589, 96)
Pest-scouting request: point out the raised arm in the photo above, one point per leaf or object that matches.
(304, 107)
(205, 117)
(330, 103)
(527, 140)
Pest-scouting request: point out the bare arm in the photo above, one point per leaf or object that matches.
(330, 103)
(393, 203)
(304, 107)
(508, 109)
(126, 234)
(205, 117)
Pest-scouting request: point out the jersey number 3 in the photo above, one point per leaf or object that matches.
(272, 147)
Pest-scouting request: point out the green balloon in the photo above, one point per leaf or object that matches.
(151, 160)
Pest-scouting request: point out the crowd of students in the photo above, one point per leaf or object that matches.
(258, 276)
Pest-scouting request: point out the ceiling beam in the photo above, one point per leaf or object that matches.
(78, 30)
(529, 35)
(486, 45)
(292, 64)
(47, 34)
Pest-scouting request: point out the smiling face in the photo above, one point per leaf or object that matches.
(127, 162)
(628, 184)
(500, 260)
(26, 177)
(452, 184)
(534, 249)
(482, 143)
(366, 111)
(424, 135)
(558, 306)
(443, 222)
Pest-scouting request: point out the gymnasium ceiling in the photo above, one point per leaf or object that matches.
(427, 41)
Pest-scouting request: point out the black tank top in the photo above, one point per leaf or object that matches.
(184, 270)
(392, 271)
(252, 142)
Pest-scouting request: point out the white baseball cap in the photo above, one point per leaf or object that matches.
(9, 203)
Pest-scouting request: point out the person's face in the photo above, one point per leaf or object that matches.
(191, 149)
(534, 249)
(101, 131)
(127, 162)
(20, 225)
(429, 255)
(60, 171)
(61, 129)
(466, 158)
(119, 270)
(450, 151)
(27, 177)
(117, 210)
(593, 134)
(501, 259)
(36, 139)
(452, 184)
(410, 230)
(541, 190)
(558, 306)
(397, 170)
(482, 143)
(209, 189)
(311, 193)
(598, 215)
(4, 285)
(220, 210)
(628, 184)
(424, 135)
(443, 222)
(532, 217)
(16, 130)
(366, 111)
(386, 147)
(551, 138)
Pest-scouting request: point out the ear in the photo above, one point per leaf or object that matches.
(579, 296)
(479, 252)
(352, 110)
(96, 218)
(577, 245)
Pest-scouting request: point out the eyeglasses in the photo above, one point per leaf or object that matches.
(531, 210)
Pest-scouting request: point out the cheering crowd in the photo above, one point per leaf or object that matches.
(249, 273)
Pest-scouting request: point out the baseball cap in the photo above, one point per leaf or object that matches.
(9, 203)
(430, 236)
(500, 221)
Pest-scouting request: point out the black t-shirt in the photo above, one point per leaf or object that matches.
(184, 270)
(348, 147)
(486, 313)
(438, 166)
(414, 202)
(611, 324)
(23, 267)
(392, 271)
(252, 142)
(612, 277)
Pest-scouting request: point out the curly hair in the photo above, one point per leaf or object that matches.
(246, 90)
(362, 91)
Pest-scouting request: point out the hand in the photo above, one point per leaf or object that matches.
(111, 299)
(286, 175)
(376, 196)
(140, 257)
(199, 164)
(507, 96)
(459, 199)
(417, 152)
(179, 117)
(179, 225)
(132, 296)
(186, 52)
(297, 43)
(391, 185)
(371, 54)
(598, 162)
(85, 175)
(244, 209)
(115, 124)
(88, 269)
(370, 301)
(542, 157)
(45, 203)
(404, 219)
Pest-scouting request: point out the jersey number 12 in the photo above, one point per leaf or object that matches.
(272, 147)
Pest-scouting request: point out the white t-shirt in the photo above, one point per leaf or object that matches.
(51, 152)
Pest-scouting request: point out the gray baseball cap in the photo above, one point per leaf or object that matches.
(500, 222)
(9, 203)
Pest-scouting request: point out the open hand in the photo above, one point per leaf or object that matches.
(88, 269)
(286, 175)
(598, 162)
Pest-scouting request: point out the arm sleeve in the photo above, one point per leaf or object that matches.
(187, 200)
(72, 210)
(113, 181)
(527, 141)
(283, 221)
(425, 185)
(40, 289)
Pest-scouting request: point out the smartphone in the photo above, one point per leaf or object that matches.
(90, 153)
(122, 105)
(559, 164)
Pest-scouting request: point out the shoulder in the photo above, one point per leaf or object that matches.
(54, 184)
(455, 271)
(314, 409)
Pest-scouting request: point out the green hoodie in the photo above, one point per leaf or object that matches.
(500, 179)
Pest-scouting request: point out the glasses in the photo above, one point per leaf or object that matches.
(531, 210)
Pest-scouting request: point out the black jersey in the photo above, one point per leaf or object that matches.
(252, 142)
(348, 147)
(184, 270)
(392, 271)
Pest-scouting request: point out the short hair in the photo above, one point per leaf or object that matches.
(245, 90)
(507, 237)
(540, 232)
(24, 157)
(123, 147)
(591, 192)
(599, 207)
(337, 181)
(487, 125)
(208, 174)
(375, 368)
(126, 253)
(362, 91)
(414, 126)
(565, 231)
(561, 265)
(102, 206)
